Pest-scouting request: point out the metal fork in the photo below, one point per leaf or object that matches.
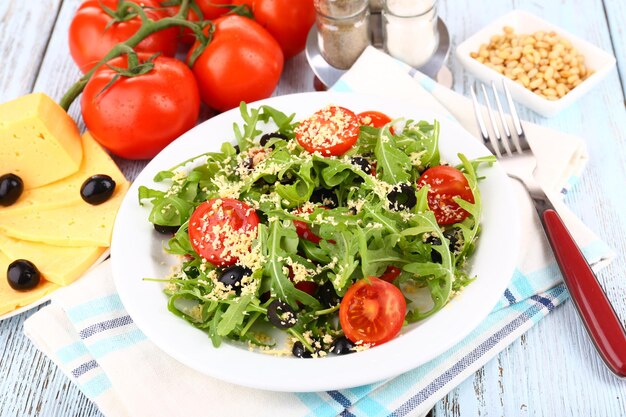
(516, 157)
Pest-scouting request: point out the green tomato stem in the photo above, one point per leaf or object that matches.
(148, 27)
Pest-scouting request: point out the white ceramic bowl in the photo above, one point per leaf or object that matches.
(523, 22)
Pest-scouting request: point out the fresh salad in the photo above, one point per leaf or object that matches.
(329, 228)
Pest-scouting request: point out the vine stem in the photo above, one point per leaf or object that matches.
(148, 27)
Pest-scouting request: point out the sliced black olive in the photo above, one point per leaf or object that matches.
(281, 314)
(233, 275)
(288, 179)
(342, 346)
(325, 197)
(11, 188)
(327, 295)
(362, 163)
(166, 230)
(452, 235)
(402, 197)
(237, 149)
(299, 351)
(248, 163)
(266, 138)
(192, 272)
(97, 189)
(23, 275)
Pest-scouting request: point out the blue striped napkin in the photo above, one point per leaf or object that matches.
(90, 336)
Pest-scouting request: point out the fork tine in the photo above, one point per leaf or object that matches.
(480, 120)
(507, 133)
(494, 124)
(521, 143)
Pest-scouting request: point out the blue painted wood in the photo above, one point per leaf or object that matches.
(552, 370)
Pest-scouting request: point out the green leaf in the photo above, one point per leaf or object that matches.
(234, 315)
(393, 164)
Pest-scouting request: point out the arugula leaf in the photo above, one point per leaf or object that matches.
(233, 316)
(393, 164)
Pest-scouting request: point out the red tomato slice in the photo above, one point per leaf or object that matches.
(373, 118)
(303, 229)
(446, 183)
(330, 131)
(372, 311)
(308, 287)
(222, 229)
(390, 273)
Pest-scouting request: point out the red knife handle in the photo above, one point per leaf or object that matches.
(595, 310)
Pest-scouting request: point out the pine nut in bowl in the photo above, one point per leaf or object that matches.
(546, 68)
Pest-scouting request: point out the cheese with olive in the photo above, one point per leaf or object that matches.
(79, 224)
(67, 190)
(59, 264)
(11, 299)
(39, 141)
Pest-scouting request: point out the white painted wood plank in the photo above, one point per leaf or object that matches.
(615, 11)
(22, 50)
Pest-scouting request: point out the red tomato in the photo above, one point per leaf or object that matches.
(136, 117)
(303, 229)
(373, 118)
(219, 229)
(210, 10)
(391, 273)
(446, 183)
(288, 21)
(242, 63)
(308, 287)
(372, 311)
(91, 37)
(330, 131)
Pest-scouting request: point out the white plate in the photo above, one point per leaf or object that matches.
(136, 253)
(525, 23)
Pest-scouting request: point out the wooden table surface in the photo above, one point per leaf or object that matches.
(551, 371)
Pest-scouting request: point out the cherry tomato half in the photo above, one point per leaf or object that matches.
(373, 118)
(308, 287)
(372, 311)
(332, 130)
(303, 229)
(446, 183)
(391, 273)
(219, 229)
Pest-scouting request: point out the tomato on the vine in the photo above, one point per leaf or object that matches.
(93, 32)
(220, 228)
(136, 117)
(241, 63)
(445, 184)
(210, 9)
(372, 311)
(332, 130)
(288, 21)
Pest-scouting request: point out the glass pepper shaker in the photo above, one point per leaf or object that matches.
(342, 30)
(410, 30)
(376, 6)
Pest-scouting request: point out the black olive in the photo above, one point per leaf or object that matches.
(192, 272)
(299, 351)
(451, 235)
(11, 188)
(288, 179)
(166, 230)
(402, 197)
(23, 275)
(325, 197)
(237, 149)
(342, 346)
(248, 163)
(233, 275)
(362, 163)
(281, 315)
(97, 189)
(327, 295)
(266, 138)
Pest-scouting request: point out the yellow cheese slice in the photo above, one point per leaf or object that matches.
(79, 224)
(10, 299)
(59, 264)
(39, 141)
(67, 190)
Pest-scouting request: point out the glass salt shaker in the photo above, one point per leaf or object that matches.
(342, 30)
(410, 30)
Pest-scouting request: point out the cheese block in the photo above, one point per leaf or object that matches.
(11, 299)
(67, 190)
(39, 141)
(78, 224)
(59, 264)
